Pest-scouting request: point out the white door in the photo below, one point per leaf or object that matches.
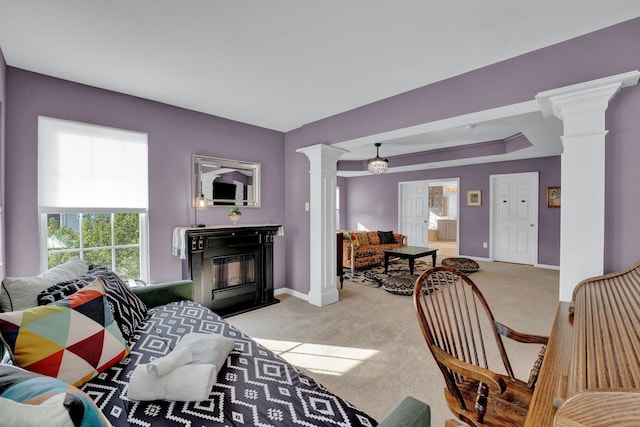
(414, 212)
(514, 211)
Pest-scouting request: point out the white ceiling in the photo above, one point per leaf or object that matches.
(281, 64)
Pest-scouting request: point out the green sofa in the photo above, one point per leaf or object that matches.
(164, 293)
(410, 413)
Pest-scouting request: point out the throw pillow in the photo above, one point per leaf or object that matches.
(19, 293)
(128, 310)
(386, 237)
(73, 339)
(28, 399)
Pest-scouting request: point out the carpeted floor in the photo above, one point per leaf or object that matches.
(368, 348)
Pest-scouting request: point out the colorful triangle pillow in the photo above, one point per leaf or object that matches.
(73, 339)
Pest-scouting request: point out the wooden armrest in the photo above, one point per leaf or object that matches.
(519, 336)
(494, 381)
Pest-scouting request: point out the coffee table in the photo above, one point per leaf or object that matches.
(410, 253)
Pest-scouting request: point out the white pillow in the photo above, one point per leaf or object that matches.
(21, 415)
(19, 293)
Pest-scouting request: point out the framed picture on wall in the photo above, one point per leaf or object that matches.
(474, 198)
(553, 197)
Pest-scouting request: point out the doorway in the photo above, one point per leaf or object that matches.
(428, 214)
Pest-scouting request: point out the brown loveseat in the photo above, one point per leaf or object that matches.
(363, 248)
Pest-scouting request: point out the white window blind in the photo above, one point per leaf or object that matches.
(89, 168)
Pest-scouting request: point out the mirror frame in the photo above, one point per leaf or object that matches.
(198, 161)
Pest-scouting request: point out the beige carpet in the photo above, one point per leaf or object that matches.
(368, 348)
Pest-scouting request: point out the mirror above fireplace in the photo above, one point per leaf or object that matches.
(225, 182)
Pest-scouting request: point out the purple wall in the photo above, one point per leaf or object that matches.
(373, 202)
(3, 79)
(297, 220)
(174, 135)
(622, 197)
(603, 53)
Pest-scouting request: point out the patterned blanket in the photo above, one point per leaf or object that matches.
(254, 388)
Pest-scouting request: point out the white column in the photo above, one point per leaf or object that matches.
(582, 110)
(323, 161)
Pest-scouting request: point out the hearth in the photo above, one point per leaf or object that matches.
(231, 267)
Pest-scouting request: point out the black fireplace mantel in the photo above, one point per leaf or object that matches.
(247, 248)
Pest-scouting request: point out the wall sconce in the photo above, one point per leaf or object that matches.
(201, 201)
(200, 204)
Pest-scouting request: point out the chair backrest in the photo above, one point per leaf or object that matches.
(455, 317)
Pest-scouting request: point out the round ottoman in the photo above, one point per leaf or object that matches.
(466, 265)
(399, 284)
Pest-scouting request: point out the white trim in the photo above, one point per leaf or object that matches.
(476, 258)
(287, 291)
(551, 100)
(448, 123)
(497, 113)
(548, 266)
(545, 266)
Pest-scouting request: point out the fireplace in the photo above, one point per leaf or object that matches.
(231, 267)
(235, 270)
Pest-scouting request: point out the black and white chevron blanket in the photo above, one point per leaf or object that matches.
(254, 388)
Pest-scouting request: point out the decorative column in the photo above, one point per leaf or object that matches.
(582, 108)
(323, 161)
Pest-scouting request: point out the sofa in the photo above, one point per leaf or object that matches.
(363, 249)
(136, 327)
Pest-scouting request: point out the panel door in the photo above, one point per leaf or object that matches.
(515, 213)
(414, 212)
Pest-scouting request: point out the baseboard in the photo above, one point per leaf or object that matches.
(291, 292)
(547, 266)
(476, 258)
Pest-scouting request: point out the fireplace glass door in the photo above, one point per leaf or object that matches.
(234, 270)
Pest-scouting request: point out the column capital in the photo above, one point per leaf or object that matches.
(582, 97)
(322, 152)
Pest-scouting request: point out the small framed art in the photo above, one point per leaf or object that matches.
(474, 198)
(553, 197)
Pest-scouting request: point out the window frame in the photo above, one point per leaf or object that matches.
(144, 241)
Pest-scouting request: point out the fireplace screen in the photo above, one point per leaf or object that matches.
(234, 270)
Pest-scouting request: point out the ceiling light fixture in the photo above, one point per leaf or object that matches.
(377, 165)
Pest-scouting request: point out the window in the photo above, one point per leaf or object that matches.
(93, 196)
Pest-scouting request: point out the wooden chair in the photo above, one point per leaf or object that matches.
(462, 334)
